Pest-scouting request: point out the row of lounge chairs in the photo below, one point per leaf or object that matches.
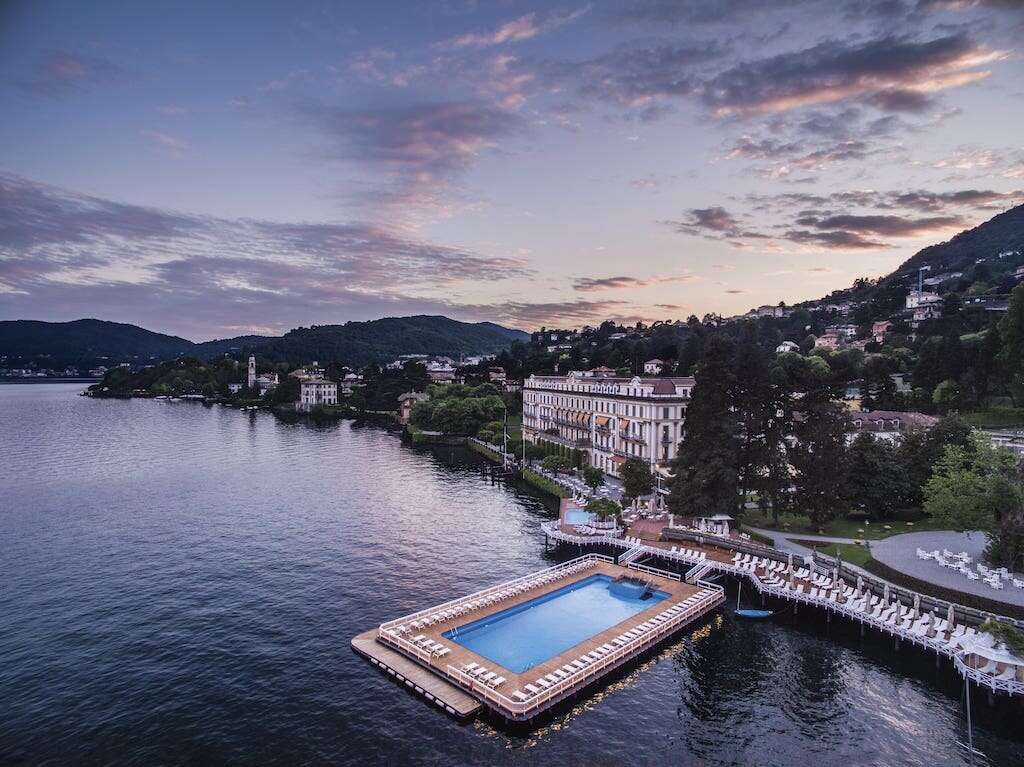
(750, 562)
(895, 617)
(436, 649)
(691, 553)
(591, 530)
(453, 611)
(625, 639)
(481, 674)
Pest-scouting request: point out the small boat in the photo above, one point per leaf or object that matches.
(753, 614)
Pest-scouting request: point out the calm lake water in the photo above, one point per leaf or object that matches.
(179, 585)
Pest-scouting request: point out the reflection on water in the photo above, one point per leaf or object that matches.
(180, 584)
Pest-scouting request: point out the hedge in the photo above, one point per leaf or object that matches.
(759, 537)
(542, 482)
(488, 452)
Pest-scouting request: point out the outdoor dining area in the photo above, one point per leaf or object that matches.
(996, 577)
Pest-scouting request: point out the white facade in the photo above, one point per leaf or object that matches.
(315, 392)
(609, 418)
(916, 298)
(654, 367)
(787, 346)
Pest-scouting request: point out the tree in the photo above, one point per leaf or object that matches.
(919, 450)
(637, 479)
(973, 489)
(947, 396)
(879, 391)
(761, 424)
(556, 464)
(1012, 331)
(286, 391)
(819, 457)
(603, 507)
(875, 481)
(533, 451)
(594, 477)
(704, 477)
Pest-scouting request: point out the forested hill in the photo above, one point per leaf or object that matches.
(360, 343)
(88, 343)
(85, 343)
(979, 262)
(999, 234)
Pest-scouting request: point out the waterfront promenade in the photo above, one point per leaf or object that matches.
(900, 553)
(952, 632)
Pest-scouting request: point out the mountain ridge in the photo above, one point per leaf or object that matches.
(89, 342)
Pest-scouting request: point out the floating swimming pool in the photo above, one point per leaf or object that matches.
(523, 636)
(578, 517)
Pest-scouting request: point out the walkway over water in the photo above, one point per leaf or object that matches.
(772, 573)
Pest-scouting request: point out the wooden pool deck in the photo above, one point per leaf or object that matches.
(431, 687)
(503, 699)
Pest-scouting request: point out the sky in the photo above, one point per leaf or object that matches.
(214, 169)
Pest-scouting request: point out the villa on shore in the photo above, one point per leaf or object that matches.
(610, 418)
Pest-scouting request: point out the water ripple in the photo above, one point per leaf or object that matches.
(179, 584)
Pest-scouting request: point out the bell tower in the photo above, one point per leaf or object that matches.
(252, 372)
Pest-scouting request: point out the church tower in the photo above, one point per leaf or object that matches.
(252, 372)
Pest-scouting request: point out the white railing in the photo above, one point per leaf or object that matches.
(633, 553)
(491, 590)
(892, 626)
(520, 709)
(653, 571)
(553, 530)
(1009, 686)
(698, 571)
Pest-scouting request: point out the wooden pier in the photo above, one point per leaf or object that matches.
(431, 687)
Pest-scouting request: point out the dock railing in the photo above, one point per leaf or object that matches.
(655, 571)
(520, 709)
(490, 591)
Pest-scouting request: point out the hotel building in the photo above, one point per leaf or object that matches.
(316, 392)
(610, 418)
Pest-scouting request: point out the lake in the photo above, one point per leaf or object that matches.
(179, 584)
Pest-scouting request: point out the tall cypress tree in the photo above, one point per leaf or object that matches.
(819, 456)
(762, 410)
(705, 480)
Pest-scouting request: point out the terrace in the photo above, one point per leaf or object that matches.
(524, 646)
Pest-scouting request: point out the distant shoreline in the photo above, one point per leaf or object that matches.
(48, 380)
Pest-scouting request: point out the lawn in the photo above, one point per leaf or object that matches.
(849, 552)
(840, 528)
(996, 418)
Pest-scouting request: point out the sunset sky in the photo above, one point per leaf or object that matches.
(212, 169)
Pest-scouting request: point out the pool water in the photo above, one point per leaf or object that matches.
(578, 517)
(523, 636)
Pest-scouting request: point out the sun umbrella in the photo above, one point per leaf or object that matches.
(885, 594)
(917, 605)
(835, 576)
(860, 584)
(791, 562)
(951, 616)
